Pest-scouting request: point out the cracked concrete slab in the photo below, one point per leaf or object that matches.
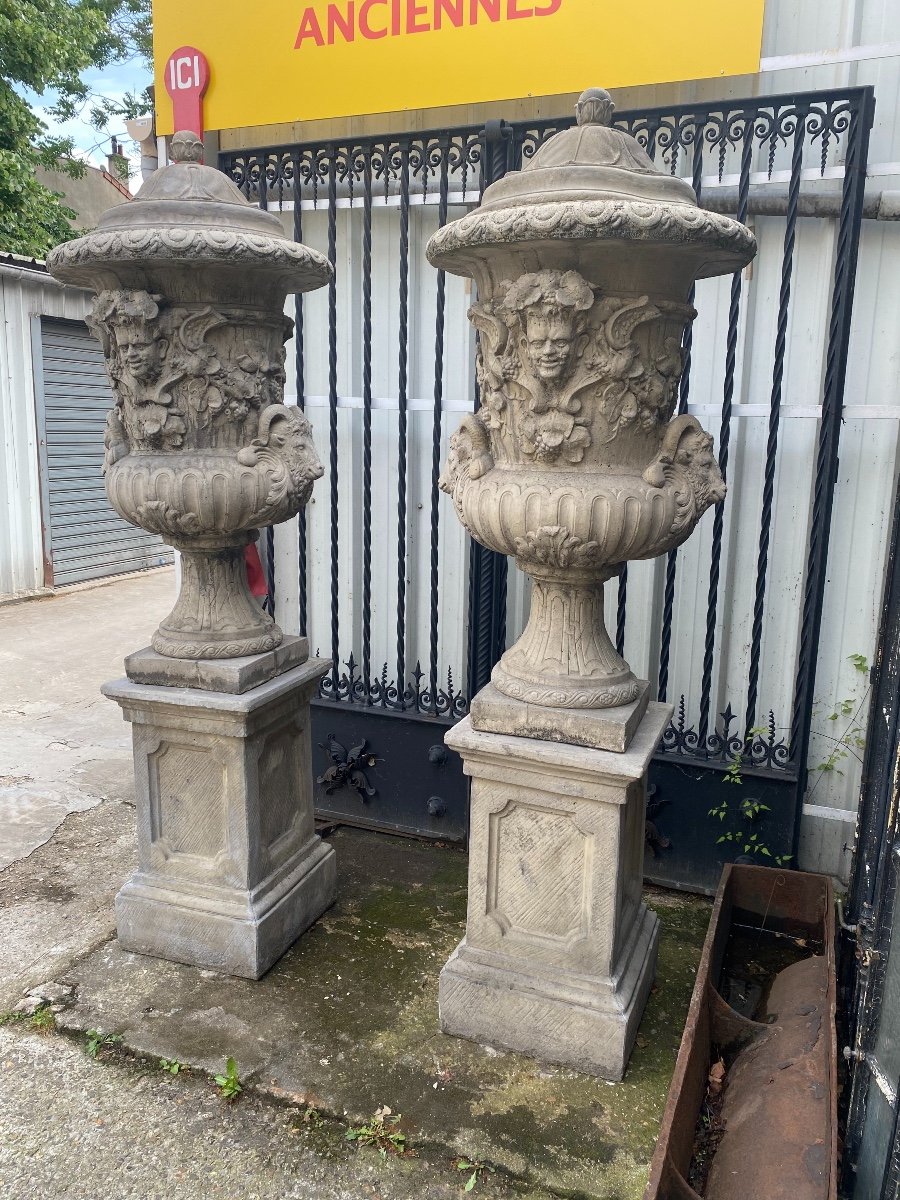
(63, 747)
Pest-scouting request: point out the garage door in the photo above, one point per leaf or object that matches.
(88, 540)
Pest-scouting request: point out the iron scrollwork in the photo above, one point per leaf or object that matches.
(348, 768)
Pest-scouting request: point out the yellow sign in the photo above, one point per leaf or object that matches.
(289, 60)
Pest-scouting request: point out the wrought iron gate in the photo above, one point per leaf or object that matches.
(871, 962)
(380, 717)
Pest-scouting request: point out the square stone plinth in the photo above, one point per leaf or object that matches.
(560, 951)
(232, 675)
(599, 728)
(230, 868)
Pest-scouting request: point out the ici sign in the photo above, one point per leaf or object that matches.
(187, 78)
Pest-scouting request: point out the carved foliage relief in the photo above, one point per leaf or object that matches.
(563, 369)
(185, 377)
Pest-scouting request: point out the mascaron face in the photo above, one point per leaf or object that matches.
(550, 340)
(140, 353)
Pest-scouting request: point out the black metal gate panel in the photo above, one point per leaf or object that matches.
(724, 732)
(871, 958)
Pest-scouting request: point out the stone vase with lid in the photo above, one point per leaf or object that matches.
(191, 281)
(574, 463)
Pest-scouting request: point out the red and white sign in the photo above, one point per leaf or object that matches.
(186, 75)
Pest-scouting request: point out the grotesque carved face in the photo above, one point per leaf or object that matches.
(141, 351)
(550, 343)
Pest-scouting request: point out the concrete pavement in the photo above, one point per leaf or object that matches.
(63, 747)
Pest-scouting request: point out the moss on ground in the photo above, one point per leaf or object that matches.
(347, 1022)
(563, 1130)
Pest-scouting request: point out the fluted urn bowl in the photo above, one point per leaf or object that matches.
(191, 282)
(575, 463)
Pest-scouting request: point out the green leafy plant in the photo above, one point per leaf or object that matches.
(42, 1020)
(383, 1132)
(172, 1065)
(228, 1082)
(97, 1041)
(752, 843)
(851, 741)
(475, 1169)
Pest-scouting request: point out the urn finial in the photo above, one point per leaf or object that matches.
(594, 107)
(186, 147)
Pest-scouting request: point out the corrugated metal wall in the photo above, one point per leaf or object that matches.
(24, 295)
(88, 539)
(36, 479)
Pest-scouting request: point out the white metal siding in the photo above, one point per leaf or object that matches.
(88, 539)
(23, 294)
(868, 465)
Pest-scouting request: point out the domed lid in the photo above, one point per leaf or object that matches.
(595, 185)
(590, 161)
(188, 195)
(187, 216)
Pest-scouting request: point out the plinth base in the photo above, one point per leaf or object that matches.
(230, 868)
(560, 950)
(600, 728)
(580, 1021)
(238, 935)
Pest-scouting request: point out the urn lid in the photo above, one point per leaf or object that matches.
(595, 184)
(590, 161)
(188, 214)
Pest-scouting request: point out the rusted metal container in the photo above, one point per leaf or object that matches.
(778, 1113)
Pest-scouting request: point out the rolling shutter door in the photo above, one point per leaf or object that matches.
(88, 540)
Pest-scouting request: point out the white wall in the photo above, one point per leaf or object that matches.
(24, 294)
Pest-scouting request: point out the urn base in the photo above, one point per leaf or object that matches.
(599, 728)
(216, 615)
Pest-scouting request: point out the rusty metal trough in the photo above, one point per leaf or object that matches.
(776, 1118)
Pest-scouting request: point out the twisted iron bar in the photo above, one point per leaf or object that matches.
(784, 299)
(684, 386)
(436, 430)
(300, 387)
(734, 310)
(622, 599)
(332, 416)
(859, 124)
(401, 420)
(367, 422)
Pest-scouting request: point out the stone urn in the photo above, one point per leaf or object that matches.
(574, 464)
(191, 281)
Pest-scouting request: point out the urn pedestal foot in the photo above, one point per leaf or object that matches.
(216, 615)
(230, 868)
(559, 952)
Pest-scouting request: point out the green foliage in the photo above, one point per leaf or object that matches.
(465, 1164)
(749, 809)
(96, 1041)
(41, 1020)
(383, 1132)
(45, 45)
(172, 1065)
(229, 1083)
(851, 738)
